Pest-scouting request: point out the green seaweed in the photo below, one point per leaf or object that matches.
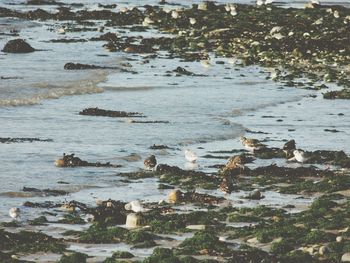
(73, 258)
(203, 240)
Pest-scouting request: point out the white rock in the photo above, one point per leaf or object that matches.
(196, 227)
(202, 6)
(345, 257)
(133, 220)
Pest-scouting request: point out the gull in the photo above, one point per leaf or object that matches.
(233, 12)
(193, 21)
(205, 63)
(61, 30)
(150, 162)
(336, 14)
(135, 206)
(14, 213)
(251, 144)
(174, 14)
(124, 9)
(147, 21)
(191, 156)
(300, 156)
(259, 2)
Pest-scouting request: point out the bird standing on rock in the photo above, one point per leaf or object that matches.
(300, 156)
(226, 185)
(191, 156)
(135, 206)
(251, 144)
(14, 212)
(150, 162)
(234, 162)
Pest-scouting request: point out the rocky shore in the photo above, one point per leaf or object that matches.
(220, 216)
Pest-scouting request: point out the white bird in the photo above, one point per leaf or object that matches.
(233, 12)
(135, 206)
(193, 21)
(124, 9)
(300, 156)
(205, 63)
(61, 30)
(191, 156)
(259, 2)
(174, 14)
(147, 21)
(336, 14)
(14, 212)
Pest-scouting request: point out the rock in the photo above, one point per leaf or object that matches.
(196, 227)
(133, 220)
(79, 66)
(69, 160)
(109, 113)
(253, 240)
(345, 257)
(255, 195)
(17, 46)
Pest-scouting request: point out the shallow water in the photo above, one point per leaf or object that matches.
(205, 113)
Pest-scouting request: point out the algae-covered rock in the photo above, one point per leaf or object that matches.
(17, 46)
(203, 241)
(73, 258)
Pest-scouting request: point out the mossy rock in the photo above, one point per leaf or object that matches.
(118, 256)
(73, 258)
(98, 233)
(30, 242)
(281, 247)
(72, 218)
(203, 240)
(41, 220)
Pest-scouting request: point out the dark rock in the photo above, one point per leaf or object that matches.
(17, 46)
(109, 113)
(159, 147)
(16, 140)
(71, 161)
(107, 6)
(45, 192)
(134, 121)
(79, 66)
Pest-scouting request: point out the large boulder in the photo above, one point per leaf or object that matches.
(17, 46)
